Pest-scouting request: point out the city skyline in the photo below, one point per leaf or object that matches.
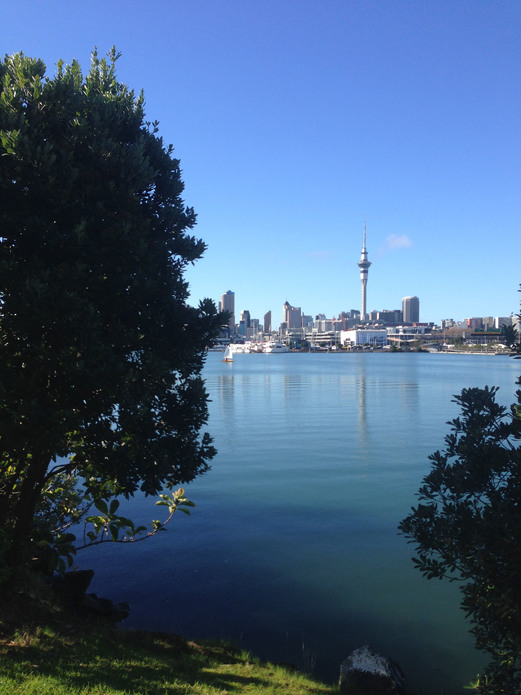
(295, 121)
(393, 323)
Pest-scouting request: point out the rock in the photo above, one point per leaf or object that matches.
(365, 672)
(72, 586)
(105, 608)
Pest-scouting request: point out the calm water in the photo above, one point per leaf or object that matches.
(292, 549)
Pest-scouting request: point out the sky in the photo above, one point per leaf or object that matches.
(297, 121)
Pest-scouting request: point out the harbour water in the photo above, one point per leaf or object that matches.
(292, 550)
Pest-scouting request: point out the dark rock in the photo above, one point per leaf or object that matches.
(104, 608)
(71, 586)
(365, 672)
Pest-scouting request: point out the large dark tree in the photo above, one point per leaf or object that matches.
(100, 353)
(467, 527)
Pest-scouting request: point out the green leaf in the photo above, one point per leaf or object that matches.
(101, 505)
(114, 531)
(113, 507)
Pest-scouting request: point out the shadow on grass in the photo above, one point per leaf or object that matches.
(137, 662)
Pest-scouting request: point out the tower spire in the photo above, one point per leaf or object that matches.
(364, 264)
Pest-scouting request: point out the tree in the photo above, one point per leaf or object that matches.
(510, 336)
(467, 527)
(100, 354)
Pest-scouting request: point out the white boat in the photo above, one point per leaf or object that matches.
(228, 355)
(239, 348)
(274, 346)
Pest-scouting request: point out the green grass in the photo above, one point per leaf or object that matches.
(44, 651)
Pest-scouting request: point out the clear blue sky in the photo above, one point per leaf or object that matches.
(294, 119)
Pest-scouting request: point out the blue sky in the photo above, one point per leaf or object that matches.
(295, 119)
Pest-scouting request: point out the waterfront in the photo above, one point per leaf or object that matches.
(292, 547)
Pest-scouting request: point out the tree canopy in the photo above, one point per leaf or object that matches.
(467, 527)
(100, 352)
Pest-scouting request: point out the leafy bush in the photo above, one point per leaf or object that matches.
(467, 527)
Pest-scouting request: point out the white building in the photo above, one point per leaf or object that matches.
(411, 309)
(364, 336)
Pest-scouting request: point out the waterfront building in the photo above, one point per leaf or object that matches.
(318, 338)
(364, 264)
(407, 334)
(411, 309)
(227, 303)
(364, 336)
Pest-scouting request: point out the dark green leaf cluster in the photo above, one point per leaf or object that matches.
(467, 527)
(100, 354)
(510, 336)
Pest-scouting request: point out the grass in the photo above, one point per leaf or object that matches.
(46, 651)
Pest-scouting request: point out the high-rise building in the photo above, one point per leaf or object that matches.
(267, 322)
(244, 323)
(364, 264)
(227, 303)
(411, 310)
(389, 316)
(292, 316)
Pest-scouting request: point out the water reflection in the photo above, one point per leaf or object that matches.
(362, 408)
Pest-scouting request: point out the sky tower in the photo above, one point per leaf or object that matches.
(364, 272)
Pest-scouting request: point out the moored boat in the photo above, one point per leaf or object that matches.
(274, 346)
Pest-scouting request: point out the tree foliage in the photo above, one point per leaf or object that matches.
(467, 527)
(510, 336)
(100, 353)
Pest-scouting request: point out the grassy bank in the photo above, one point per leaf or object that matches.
(44, 650)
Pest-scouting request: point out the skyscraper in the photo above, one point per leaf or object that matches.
(364, 264)
(411, 310)
(227, 303)
(292, 316)
(267, 322)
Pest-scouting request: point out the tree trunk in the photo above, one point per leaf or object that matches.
(25, 508)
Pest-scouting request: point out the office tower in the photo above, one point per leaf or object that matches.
(245, 317)
(227, 303)
(267, 322)
(292, 316)
(411, 309)
(390, 316)
(364, 264)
